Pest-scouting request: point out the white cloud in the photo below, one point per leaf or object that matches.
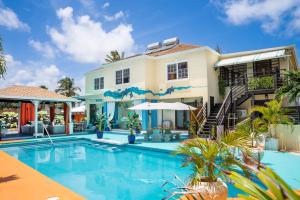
(270, 13)
(44, 48)
(30, 73)
(106, 5)
(85, 40)
(116, 16)
(10, 20)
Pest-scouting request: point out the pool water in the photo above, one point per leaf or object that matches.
(100, 172)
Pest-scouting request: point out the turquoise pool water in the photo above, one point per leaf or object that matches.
(99, 172)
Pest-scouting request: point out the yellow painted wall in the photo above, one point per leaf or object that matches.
(289, 137)
(151, 73)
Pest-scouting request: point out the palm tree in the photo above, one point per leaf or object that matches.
(273, 113)
(291, 86)
(114, 56)
(66, 86)
(43, 87)
(2, 61)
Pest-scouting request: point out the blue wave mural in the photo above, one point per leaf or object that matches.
(120, 94)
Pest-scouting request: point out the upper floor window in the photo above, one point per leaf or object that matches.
(122, 76)
(99, 83)
(177, 71)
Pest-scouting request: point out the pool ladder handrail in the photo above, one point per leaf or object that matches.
(47, 133)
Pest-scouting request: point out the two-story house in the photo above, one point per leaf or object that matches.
(170, 71)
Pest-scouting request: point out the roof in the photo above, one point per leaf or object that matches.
(20, 92)
(173, 49)
(251, 58)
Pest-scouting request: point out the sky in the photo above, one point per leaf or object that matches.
(47, 40)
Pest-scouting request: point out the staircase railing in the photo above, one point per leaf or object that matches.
(237, 90)
(45, 128)
(202, 114)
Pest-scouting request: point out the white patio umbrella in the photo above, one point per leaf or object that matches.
(162, 106)
(79, 109)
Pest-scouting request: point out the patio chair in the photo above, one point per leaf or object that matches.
(147, 135)
(156, 135)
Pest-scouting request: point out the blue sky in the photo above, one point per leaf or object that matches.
(49, 39)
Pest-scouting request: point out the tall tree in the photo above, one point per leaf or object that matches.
(2, 61)
(66, 86)
(44, 87)
(291, 86)
(114, 56)
(218, 49)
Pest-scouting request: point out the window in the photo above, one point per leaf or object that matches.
(178, 71)
(119, 77)
(99, 83)
(96, 83)
(172, 72)
(126, 76)
(122, 76)
(182, 70)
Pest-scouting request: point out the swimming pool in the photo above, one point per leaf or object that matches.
(99, 171)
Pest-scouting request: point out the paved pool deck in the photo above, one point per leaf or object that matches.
(19, 181)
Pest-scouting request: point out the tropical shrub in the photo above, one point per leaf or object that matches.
(222, 86)
(266, 82)
(291, 86)
(133, 122)
(102, 119)
(275, 188)
(273, 114)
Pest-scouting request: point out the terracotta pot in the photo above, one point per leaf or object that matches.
(211, 190)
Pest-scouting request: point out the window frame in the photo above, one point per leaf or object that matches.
(97, 82)
(177, 71)
(122, 78)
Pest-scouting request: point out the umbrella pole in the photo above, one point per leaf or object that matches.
(162, 120)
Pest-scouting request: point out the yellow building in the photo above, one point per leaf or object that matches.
(170, 71)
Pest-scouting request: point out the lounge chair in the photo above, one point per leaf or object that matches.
(147, 135)
(156, 136)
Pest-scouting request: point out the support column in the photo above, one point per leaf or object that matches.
(70, 118)
(19, 117)
(154, 116)
(144, 118)
(36, 105)
(105, 111)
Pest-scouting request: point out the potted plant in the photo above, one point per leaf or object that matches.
(102, 118)
(138, 125)
(253, 132)
(210, 159)
(133, 123)
(273, 114)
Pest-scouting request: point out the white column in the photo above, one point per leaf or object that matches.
(70, 118)
(36, 105)
(19, 118)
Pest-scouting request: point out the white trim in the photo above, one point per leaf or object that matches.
(38, 99)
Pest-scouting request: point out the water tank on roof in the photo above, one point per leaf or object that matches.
(152, 46)
(171, 41)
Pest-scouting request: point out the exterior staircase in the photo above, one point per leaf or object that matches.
(211, 119)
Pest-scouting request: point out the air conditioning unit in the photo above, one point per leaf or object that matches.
(171, 41)
(241, 113)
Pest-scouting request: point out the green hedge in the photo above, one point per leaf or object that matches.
(266, 82)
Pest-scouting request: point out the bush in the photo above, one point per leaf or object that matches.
(266, 82)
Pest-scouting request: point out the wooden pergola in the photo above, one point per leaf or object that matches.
(29, 99)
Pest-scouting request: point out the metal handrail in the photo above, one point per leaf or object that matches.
(48, 134)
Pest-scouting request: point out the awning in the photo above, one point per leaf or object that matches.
(251, 58)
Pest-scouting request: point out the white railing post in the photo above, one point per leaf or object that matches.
(70, 117)
(36, 105)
